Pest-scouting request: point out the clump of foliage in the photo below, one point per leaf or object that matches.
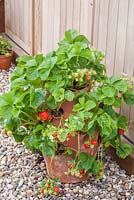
(5, 46)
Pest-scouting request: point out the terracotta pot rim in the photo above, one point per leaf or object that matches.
(4, 56)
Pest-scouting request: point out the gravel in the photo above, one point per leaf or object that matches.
(20, 175)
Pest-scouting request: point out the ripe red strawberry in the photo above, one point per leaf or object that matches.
(44, 115)
(70, 166)
(69, 135)
(49, 185)
(93, 142)
(82, 171)
(57, 189)
(87, 146)
(121, 132)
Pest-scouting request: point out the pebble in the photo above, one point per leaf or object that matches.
(20, 178)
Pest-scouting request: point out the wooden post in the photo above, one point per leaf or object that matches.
(2, 17)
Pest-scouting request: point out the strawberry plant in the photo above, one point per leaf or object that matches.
(40, 85)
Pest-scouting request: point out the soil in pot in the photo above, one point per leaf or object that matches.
(5, 61)
(57, 167)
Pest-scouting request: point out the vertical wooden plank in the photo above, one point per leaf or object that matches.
(63, 13)
(44, 25)
(31, 27)
(84, 17)
(90, 21)
(96, 23)
(22, 12)
(76, 14)
(50, 26)
(69, 14)
(56, 32)
(103, 26)
(12, 22)
(111, 39)
(38, 26)
(26, 22)
(129, 59)
(121, 37)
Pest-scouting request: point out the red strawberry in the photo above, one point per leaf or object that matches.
(121, 132)
(57, 189)
(87, 146)
(82, 171)
(70, 166)
(49, 185)
(93, 142)
(69, 135)
(44, 115)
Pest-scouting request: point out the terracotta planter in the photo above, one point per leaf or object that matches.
(5, 61)
(73, 143)
(67, 107)
(57, 167)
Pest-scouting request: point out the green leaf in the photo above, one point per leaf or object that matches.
(77, 107)
(51, 102)
(70, 35)
(32, 73)
(88, 54)
(19, 138)
(93, 129)
(31, 63)
(82, 39)
(83, 156)
(48, 147)
(129, 97)
(82, 100)
(37, 97)
(39, 58)
(24, 58)
(114, 79)
(109, 100)
(19, 82)
(6, 104)
(48, 63)
(117, 102)
(69, 95)
(59, 94)
(89, 105)
(86, 161)
(120, 85)
(90, 124)
(108, 91)
(44, 73)
(122, 122)
(123, 150)
(95, 168)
